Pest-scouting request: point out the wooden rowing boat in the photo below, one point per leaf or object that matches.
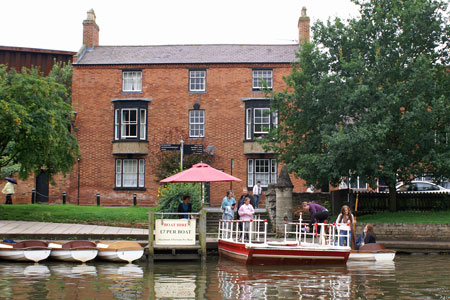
(25, 251)
(121, 251)
(74, 251)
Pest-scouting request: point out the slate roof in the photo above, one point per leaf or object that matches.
(188, 54)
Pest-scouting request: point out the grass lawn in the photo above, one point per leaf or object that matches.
(75, 214)
(442, 217)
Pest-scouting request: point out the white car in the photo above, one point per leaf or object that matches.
(421, 187)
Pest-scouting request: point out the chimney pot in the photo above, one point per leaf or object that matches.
(90, 30)
(303, 27)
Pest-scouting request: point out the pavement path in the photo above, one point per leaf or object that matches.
(22, 229)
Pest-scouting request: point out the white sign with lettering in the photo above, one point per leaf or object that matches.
(175, 232)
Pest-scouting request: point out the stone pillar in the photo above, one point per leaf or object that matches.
(284, 206)
(271, 202)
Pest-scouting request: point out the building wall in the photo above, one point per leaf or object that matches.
(167, 119)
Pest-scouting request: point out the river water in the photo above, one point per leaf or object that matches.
(409, 277)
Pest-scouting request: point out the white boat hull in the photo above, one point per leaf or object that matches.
(34, 255)
(371, 256)
(118, 255)
(74, 255)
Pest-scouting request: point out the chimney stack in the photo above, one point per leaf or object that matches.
(303, 27)
(90, 30)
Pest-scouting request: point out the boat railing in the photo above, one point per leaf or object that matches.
(236, 231)
(319, 233)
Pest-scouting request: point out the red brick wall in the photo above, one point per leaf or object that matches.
(167, 86)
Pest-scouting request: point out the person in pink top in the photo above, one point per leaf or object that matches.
(246, 212)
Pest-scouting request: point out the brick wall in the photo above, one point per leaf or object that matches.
(167, 87)
(408, 232)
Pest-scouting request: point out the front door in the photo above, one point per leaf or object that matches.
(41, 188)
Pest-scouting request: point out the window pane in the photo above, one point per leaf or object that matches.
(130, 173)
(141, 173)
(118, 172)
(197, 80)
(248, 124)
(129, 123)
(132, 81)
(261, 76)
(143, 123)
(261, 120)
(262, 171)
(250, 172)
(196, 123)
(116, 124)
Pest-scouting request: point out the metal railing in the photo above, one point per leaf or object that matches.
(320, 234)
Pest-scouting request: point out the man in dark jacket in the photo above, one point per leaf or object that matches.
(185, 206)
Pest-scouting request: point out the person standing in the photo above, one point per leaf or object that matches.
(345, 223)
(185, 207)
(228, 204)
(8, 190)
(257, 192)
(246, 212)
(244, 195)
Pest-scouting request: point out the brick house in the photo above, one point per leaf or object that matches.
(130, 100)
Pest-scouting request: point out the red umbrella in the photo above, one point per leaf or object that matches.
(200, 172)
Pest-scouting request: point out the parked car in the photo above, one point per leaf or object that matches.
(421, 187)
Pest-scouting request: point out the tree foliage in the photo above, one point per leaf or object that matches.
(369, 97)
(171, 195)
(35, 124)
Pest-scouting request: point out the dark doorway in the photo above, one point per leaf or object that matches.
(42, 188)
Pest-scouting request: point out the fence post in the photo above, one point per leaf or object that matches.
(64, 198)
(202, 233)
(98, 199)
(151, 227)
(134, 199)
(33, 196)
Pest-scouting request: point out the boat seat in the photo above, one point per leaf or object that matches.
(372, 247)
(27, 244)
(74, 244)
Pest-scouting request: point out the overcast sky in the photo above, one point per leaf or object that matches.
(57, 24)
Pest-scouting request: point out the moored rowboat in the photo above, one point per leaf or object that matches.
(372, 252)
(121, 251)
(74, 251)
(25, 251)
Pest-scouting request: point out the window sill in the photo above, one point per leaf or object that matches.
(129, 189)
(197, 92)
(131, 92)
(130, 141)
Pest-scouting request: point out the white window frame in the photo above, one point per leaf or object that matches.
(260, 76)
(132, 81)
(262, 169)
(130, 173)
(261, 114)
(140, 124)
(359, 184)
(128, 124)
(248, 124)
(197, 80)
(197, 123)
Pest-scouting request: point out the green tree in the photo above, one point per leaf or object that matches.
(35, 124)
(369, 97)
(62, 73)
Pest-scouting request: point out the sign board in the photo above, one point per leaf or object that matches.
(193, 149)
(175, 231)
(170, 147)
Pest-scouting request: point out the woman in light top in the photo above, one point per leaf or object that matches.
(345, 222)
(228, 204)
(246, 212)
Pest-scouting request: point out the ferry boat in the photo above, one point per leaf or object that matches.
(297, 247)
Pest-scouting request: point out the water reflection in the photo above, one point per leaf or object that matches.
(409, 277)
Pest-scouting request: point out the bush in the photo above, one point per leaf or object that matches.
(171, 195)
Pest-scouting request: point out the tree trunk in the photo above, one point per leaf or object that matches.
(392, 199)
